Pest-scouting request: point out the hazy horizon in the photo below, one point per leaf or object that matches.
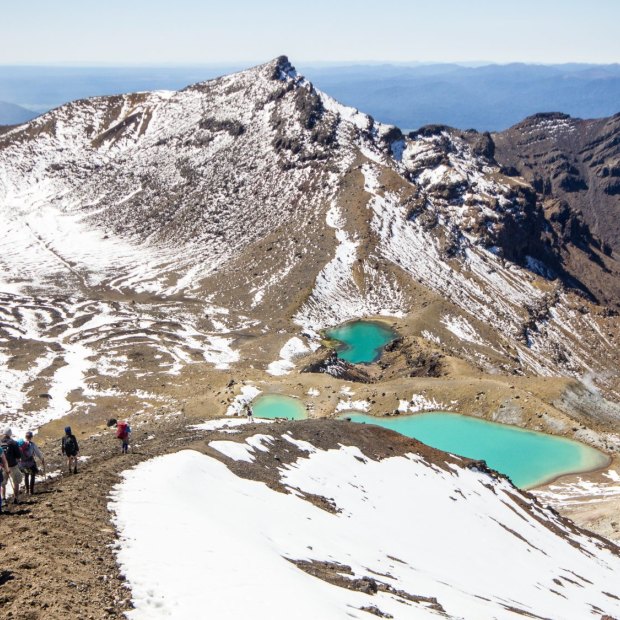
(474, 64)
(487, 97)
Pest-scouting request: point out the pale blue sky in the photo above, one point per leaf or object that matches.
(191, 31)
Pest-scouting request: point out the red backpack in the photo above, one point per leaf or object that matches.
(121, 430)
(27, 450)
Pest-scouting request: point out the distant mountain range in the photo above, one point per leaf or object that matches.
(486, 98)
(11, 114)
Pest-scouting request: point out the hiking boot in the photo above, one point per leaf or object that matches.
(75, 470)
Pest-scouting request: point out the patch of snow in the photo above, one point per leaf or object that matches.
(420, 402)
(614, 476)
(292, 349)
(305, 446)
(431, 337)
(349, 405)
(462, 329)
(248, 394)
(480, 524)
(222, 423)
(234, 450)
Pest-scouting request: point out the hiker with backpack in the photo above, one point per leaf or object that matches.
(70, 449)
(123, 431)
(249, 412)
(28, 464)
(4, 472)
(13, 455)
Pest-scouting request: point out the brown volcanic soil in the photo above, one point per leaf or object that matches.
(57, 545)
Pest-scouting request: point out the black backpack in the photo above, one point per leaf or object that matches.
(70, 445)
(11, 451)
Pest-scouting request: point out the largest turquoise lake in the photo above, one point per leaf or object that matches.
(527, 457)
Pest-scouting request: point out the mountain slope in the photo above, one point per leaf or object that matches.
(451, 527)
(574, 165)
(157, 237)
(350, 521)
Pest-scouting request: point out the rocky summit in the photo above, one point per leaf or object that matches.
(166, 257)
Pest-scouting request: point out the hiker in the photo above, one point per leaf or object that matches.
(70, 449)
(123, 431)
(4, 472)
(13, 455)
(248, 411)
(28, 464)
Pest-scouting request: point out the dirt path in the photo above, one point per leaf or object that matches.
(56, 547)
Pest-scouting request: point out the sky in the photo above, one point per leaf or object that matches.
(160, 32)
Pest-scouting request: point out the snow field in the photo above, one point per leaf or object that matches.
(453, 534)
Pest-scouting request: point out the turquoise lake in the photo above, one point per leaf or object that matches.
(527, 457)
(362, 341)
(279, 406)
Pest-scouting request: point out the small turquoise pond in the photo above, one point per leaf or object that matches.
(278, 406)
(362, 341)
(529, 458)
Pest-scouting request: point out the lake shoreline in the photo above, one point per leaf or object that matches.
(451, 432)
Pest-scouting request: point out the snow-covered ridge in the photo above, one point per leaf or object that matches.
(459, 552)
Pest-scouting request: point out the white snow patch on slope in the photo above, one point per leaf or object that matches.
(420, 402)
(336, 297)
(292, 349)
(352, 405)
(462, 329)
(430, 336)
(466, 541)
(234, 450)
(225, 423)
(248, 393)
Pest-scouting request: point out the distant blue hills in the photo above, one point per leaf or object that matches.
(11, 114)
(486, 98)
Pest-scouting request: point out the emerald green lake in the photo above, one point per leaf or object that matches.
(278, 406)
(527, 457)
(362, 341)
